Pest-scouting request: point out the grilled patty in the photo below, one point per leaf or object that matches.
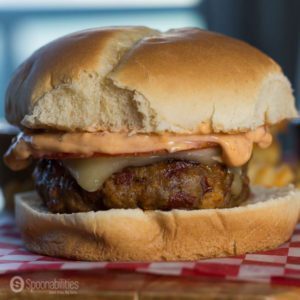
(172, 184)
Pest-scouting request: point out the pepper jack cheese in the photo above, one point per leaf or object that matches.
(90, 173)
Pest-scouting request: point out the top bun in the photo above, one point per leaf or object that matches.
(137, 79)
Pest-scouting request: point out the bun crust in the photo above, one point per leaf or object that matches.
(267, 221)
(139, 80)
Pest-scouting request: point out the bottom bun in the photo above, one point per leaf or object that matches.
(265, 221)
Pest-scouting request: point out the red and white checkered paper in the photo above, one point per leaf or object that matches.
(279, 266)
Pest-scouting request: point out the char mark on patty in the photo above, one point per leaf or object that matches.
(166, 185)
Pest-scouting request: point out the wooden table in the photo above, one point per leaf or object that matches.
(121, 285)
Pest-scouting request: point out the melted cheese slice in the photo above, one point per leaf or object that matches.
(90, 173)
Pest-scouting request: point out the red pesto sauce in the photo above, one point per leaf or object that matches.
(236, 148)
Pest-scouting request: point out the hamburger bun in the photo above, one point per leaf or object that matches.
(265, 221)
(136, 79)
(120, 81)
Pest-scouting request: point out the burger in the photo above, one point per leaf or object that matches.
(140, 141)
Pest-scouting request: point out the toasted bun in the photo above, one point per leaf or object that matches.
(265, 222)
(137, 79)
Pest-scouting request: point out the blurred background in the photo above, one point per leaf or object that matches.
(271, 25)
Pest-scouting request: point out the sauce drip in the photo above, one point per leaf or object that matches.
(236, 148)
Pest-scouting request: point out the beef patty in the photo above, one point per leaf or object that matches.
(164, 185)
